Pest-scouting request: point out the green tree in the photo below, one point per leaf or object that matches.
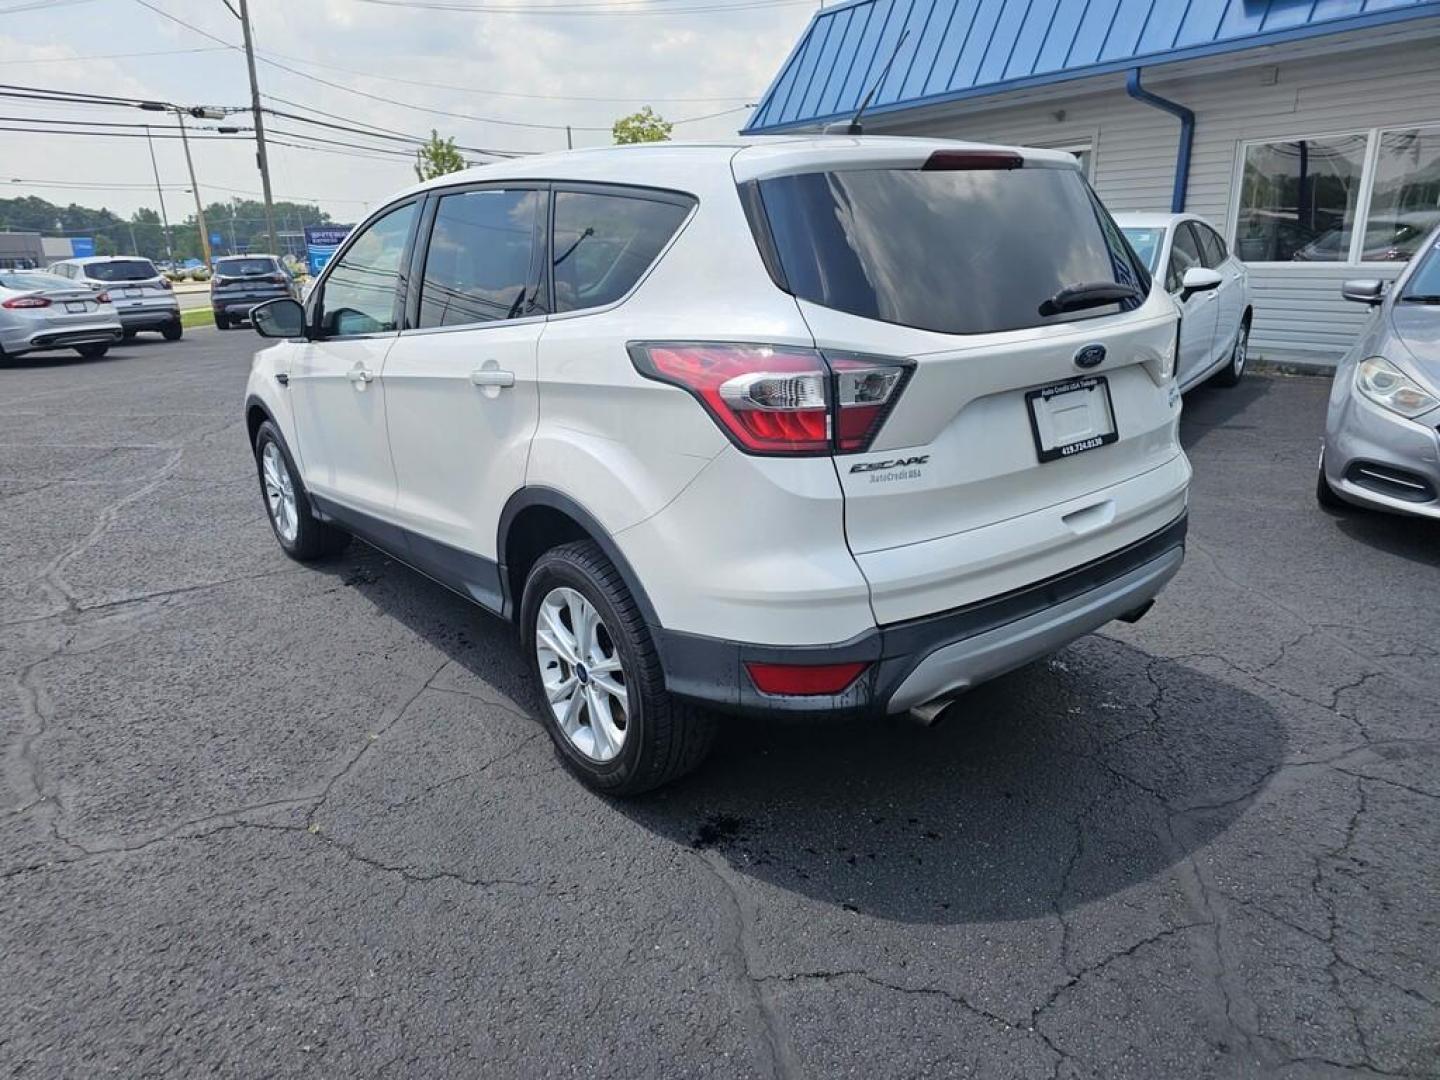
(437, 157)
(643, 126)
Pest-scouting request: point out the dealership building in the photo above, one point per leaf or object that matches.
(1307, 132)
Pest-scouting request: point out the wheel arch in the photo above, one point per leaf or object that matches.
(536, 519)
(256, 413)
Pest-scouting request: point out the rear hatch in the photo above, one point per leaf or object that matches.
(131, 283)
(249, 279)
(1040, 363)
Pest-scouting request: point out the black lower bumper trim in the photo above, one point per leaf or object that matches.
(711, 670)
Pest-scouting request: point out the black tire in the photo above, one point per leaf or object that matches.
(1324, 493)
(665, 738)
(1234, 370)
(93, 352)
(173, 331)
(222, 321)
(313, 539)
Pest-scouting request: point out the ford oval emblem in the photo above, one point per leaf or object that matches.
(1090, 356)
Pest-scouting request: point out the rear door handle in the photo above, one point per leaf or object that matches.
(492, 377)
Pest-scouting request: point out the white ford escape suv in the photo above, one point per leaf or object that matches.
(822, 425)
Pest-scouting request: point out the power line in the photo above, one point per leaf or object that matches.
(354, 128)
(651, 99)
(113, 56)
(611, 8)
(188, 26)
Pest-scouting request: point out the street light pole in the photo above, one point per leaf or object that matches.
(160, 194)
(199, 207)
(260, 156)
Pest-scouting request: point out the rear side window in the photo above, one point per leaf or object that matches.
(604, 243)
(122, 270)
(480, 263)
(969, 251)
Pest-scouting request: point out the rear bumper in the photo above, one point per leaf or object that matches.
(240, 306)
(60, 338)
(914, 662)
(141, 318)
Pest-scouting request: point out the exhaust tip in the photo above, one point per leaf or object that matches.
(1137, 614)
(928, 714)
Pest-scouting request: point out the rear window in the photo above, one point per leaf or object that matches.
(245, 267)
(122, 270)
(33, 280)
(959, 252)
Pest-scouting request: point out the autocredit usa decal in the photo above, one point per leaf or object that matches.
(892, 469)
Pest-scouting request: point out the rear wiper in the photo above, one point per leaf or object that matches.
(1421, 298)
(1088, 294)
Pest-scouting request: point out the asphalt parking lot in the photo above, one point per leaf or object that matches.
(264, 820)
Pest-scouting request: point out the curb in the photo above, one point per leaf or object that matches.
(1312, 368)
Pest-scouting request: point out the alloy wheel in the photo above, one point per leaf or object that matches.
(581, 670)
(279, 493)
(1242, 345)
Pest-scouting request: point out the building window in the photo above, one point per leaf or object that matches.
(1304, 200)
(1405, 200)
(1298, 199)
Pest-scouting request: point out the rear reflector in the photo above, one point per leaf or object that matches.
(803, 679)
(781, 399)
(959, 160)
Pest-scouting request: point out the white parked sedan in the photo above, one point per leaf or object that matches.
(1189, 259)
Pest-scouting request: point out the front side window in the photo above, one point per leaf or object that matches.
(1184, 255)
(1211, 246)
(962, 251)
(480, 265)
(360, 293)
(1405, 199)
(605, 243)
(1298, 199)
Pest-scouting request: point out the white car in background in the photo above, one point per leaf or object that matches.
(1191, 261)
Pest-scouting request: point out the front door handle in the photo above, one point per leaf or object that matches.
(360, 377)
(488, 376)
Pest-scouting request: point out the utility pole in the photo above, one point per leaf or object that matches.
(260, 157)
(160, 194)
(199, 207)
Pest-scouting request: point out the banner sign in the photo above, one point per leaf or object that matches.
(321, 242)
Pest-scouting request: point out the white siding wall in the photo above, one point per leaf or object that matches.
(1297, 306)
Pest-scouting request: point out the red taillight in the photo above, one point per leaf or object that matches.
(25, 302)
(779, 399)
(960, 160)
(802, 679)
(277, 279)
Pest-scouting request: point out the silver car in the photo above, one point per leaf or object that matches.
(142, 296)
(1381, 446)
(42, 311)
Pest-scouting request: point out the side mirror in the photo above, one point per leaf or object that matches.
(1198, 279)
(279, 318)
(1364, 291)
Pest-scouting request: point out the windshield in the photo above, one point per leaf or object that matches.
(35, 281)
(121, 270)
(245, 267)
(962, 251)
(1147, 244)
(1424, 283)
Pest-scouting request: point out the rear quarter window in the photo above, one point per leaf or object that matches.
(969, 251)
(604, 243)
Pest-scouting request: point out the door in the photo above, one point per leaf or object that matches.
(336, 385)
(1230, 296)
(460, 380)
(1197, 314)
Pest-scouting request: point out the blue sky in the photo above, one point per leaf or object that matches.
(524, 66)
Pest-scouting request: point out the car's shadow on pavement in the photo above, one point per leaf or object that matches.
(977, 819)
(1208, 407)
(1412, 538)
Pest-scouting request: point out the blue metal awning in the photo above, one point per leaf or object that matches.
(971, 48)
